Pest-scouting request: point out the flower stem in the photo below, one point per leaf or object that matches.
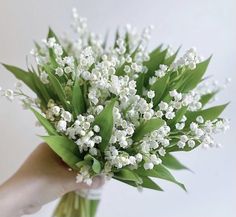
(74, 205)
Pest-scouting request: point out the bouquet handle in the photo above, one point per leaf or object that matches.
(74, 205)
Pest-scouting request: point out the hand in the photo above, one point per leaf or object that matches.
(42, 178)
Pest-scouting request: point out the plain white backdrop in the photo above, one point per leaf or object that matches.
(207, 24)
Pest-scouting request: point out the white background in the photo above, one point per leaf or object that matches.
(207, 24)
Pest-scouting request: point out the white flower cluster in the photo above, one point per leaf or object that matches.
(191, 100)
(152, 147)
(26, 100)
(120, 159)
(84, 175)
(82, 130)
(190, 60)
(201, 132)
(161, 72)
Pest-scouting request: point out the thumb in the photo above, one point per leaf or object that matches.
(97, 182)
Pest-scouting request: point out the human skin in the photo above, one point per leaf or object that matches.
(42, 178)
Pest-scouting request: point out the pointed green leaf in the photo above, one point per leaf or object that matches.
(140, 83)
(194, 77)
(117, 36)
(168, 61)
(96, 166)
(175, 148)
(120, 71)
(127, 42)
(41, 88)
(160, 172)
(78, 100)
(178, 116)
(207, 97)
(147, 183)
(159, 87)
(22, 75)
(45, 123)
(53, 61)
(65, 142)
(64, 148)
(171, 162)
(105, 121)
(147, 127)
(58, 89)
(51, 34)
(104, 44)
(128, 175)
(208, 114)
(157, 57)
(37, 46)
(39, 49)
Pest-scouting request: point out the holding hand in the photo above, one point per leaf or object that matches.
(42, 178)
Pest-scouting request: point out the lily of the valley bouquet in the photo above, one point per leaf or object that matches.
(118, 110)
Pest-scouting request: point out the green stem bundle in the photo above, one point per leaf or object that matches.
(74, 205)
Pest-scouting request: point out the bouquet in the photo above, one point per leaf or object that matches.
(117, 110)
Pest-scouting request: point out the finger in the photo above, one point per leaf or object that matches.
(98, 182)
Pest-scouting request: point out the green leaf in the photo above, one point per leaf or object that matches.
(81, 164)
(178, 116)
(194, 77)
(64, 148)
(160, 172)
(66, 143)
(105, 121)
(139, 84)
(127, 42)
(147, 127)
(96, 166)
(120, 71)
(157, 57)
(208, 114)
(45, 123)
(207, 97)
(168, 61)
(53, 61)
(104, 44)
(58, 89)
(159, 87)
(117, 36)
(175, 148)
(39, 49)
(147, 183)
(51, 34)
(128, 175)
(78, 100)
(22, 75)
(172, 163)
(40, 87)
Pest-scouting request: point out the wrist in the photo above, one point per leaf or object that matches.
(17, 197)
(8, 197)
